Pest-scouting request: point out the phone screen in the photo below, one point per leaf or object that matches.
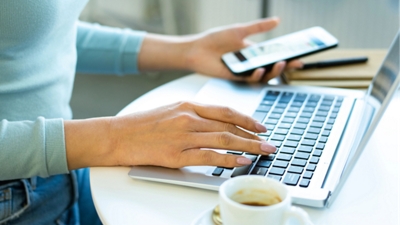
(278, 49)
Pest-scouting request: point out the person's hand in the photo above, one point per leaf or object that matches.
(204, 56)
(173, 136)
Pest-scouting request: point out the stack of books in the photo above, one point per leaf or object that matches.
(357, 76)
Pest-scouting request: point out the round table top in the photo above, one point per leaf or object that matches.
(370, 196)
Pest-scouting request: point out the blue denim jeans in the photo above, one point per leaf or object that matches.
(61, 199)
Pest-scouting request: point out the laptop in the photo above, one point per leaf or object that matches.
(319, 133)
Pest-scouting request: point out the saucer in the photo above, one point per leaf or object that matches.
(205, 218)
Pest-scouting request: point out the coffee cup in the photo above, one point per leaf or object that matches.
(257, 200)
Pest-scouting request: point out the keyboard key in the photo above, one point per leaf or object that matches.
(263, 108)
(306, 149)
(317, 153)
(319, 119)
(287, 120)
(287, 150)
(302, 155)
(268, 133)
(311, 167)
(293, 137)
(259, 171)
(300, 126)
(296, 104)
(308, 142)
(291, 114)
(314, 160)
(316, 124)
(281, 131)
(264, 163)
(299, 162)
(277, 137)
(328, 127)
(311, 136)
(281, 105)
(314, 98)
(324, 108)
(335, 110)
(312, 104)
(297, 131)
(291, 179)
(326, 102)
(314, 130)
(241, 170)
(322, 113)
(306, 115)
(259, 116)
(270, 126)
(325, 133)
(292, 144)
(295, 169)
(294, 109)
(266, 102)
(284, 126)
(268, 157)
(284, 157)
(303, 120)
(281, 164)
(271, 121)
(323, 139)
(277, 144)
(278, 110)
(308, 175)
(277, 171)
(330, 121)
(304, 183)
(218, 171)
(320, 146)
(309, 109)
(333, 115)
(275, 116)
(278, 178)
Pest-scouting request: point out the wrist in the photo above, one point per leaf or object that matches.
(87, 143)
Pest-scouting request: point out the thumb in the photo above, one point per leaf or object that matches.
(259, 26)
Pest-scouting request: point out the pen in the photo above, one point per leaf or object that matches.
(335, 62)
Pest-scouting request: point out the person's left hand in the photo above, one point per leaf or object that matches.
(204, 55)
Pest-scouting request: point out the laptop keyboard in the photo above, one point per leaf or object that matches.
(299, 125)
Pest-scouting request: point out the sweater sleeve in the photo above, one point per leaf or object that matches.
(106, 50)
(32, 148)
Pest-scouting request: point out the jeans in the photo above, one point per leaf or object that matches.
(61, 199)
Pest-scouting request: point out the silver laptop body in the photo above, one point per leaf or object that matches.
(352, 117)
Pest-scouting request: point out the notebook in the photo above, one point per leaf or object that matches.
(319, 133)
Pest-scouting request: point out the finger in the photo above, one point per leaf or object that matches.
(277, 70)
(228, 115)
(202, 157)
(256, 76)
(259, 26)
(294, 64)
(226, 140)
(207, 125)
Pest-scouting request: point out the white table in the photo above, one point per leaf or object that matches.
(371, 195)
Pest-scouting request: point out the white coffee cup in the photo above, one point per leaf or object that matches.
(239, 196)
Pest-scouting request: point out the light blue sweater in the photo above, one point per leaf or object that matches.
(42, 45)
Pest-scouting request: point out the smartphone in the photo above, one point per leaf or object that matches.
(267, 53)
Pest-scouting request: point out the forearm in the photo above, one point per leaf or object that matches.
(88, 143)
(161, 52)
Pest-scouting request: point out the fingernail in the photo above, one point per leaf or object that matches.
(261, 128)
(267, 147)
(243, 161)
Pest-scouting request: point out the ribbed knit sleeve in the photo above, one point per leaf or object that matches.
(32, 148)
(106, 50)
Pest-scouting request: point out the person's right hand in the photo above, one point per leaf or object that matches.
(173, 136)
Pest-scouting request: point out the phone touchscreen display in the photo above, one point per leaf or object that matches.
(280, 49)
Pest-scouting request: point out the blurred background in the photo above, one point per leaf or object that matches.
(364, 24)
